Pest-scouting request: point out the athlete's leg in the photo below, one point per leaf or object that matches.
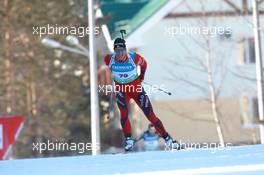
(143, 102)
(122, 103)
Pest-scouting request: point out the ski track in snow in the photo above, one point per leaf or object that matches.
(237, 160)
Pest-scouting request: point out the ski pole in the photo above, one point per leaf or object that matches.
(162, 90)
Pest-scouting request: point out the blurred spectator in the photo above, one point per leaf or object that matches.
(151, 139)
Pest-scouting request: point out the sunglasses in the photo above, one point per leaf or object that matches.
(120, 50)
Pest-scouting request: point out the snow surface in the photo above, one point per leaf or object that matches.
(236, 160)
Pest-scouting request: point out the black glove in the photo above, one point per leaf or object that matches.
(142, 75)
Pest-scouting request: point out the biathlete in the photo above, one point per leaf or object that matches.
(128, 70)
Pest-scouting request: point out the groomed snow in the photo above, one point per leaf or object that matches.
(236, 160)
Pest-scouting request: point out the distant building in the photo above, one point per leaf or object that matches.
(170, 35)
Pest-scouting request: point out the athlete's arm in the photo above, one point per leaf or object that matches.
(140, 61)
(141, 137)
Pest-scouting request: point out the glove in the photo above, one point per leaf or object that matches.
(142, 76)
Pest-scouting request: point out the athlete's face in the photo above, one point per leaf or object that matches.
(152, 130)
(120, 53)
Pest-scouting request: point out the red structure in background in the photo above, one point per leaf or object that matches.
(10, 127)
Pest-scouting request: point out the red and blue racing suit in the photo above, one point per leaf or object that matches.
(125, 74)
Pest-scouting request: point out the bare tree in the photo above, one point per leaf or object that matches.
(209, 66)
(8, 58)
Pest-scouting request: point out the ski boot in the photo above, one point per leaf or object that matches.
(171, 144)
(129, 144)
